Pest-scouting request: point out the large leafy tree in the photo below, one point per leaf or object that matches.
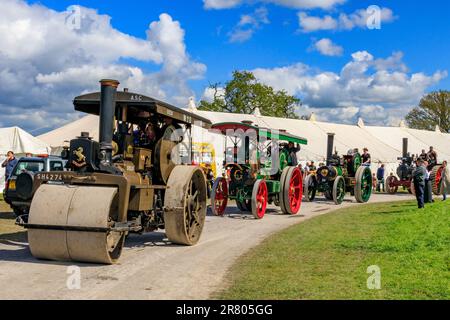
(243, 94)
(433, 110)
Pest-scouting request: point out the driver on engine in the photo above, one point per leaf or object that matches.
(366, 158)
(292, 150)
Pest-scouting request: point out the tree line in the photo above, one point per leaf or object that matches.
(244, 94)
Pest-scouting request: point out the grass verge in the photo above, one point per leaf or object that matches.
(328, 257)
(8, 230)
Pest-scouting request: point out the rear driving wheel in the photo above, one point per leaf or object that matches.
(291, 191)
(363, 187)
(259, 199)
(185, 203)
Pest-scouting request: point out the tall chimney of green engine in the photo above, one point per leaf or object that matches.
(330, 145)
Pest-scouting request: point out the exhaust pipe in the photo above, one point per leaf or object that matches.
(330, 146)
(107, 111)
(405, 147)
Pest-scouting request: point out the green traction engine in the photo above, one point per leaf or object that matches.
(272, 178)
(341, 175)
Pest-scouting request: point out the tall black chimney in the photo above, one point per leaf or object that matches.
(107, 110)
(330, 146)
(405, 147)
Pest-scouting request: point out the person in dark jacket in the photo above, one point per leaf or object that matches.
(432, 157)
(428, 195)
(419, 176)
(366, 158)
(9, 164)
(423, 156)
(292, 150)
(380, 178)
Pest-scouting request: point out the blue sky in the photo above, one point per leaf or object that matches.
(422, 32)
(413, 39)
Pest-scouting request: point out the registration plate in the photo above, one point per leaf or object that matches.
(12, 185)
(49, 177)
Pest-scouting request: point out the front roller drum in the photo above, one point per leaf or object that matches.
(56, 209)
(185, 205)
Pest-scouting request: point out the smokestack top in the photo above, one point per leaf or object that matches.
(405, 148)
(331, 134)
(110, 83)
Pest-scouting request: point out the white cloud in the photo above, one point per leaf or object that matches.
(362, 83)
(308, 4)
(44, 63)
(326, 47)
(221, 4)
(311, 23)
(296, 4)
(240, 35)
(248, 24)
(344, 22)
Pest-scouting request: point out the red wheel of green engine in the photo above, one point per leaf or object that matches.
(295, 191)
(259, 199)
(219, 197)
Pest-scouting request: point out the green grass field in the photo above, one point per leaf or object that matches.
(327, 257)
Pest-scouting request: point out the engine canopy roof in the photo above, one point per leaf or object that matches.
(139, 108)
(225, 127)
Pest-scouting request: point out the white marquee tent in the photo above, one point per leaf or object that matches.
(60, 137)
(384, 143)
(20, 142)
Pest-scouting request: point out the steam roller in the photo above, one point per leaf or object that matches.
(50, 207)
(133, 180)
